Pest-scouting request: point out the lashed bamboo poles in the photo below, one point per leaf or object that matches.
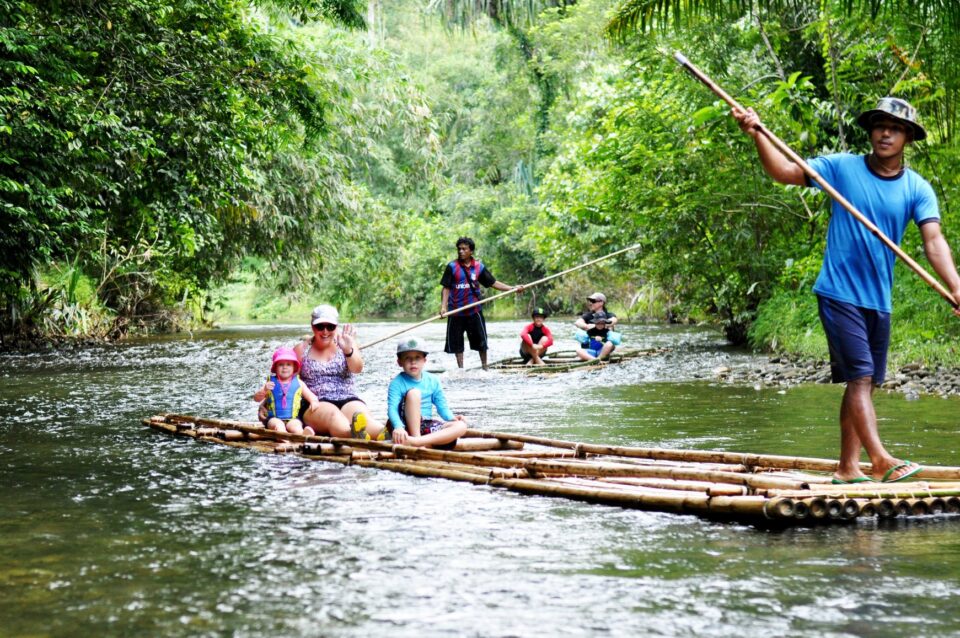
(554, 363)
(598, 480)
(826, 186)
(502, 294)
(703, 456)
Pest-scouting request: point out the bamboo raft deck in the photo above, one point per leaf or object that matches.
(759, 489)
(566, 360)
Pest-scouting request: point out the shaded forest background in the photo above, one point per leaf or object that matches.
(161, 160)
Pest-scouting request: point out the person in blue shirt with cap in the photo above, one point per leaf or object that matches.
(411, 398)
(854, 286)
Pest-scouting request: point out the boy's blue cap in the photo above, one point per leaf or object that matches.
(539, 312)
(412, 344)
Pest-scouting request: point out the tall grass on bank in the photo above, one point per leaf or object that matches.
(923, 328)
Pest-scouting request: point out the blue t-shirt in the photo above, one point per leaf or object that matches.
(431, 395)
(858, 267)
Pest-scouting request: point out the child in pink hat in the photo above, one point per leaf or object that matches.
(284, 397)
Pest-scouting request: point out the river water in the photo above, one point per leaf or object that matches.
(108, 528)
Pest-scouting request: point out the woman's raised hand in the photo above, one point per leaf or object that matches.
(346, 337)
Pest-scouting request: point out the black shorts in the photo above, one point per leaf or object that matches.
(473, 325)
(339, 403)
(427, 426)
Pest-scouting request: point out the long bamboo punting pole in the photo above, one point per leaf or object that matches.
(502, 294)
(826, 186)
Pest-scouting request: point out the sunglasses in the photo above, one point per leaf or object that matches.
(329, 327)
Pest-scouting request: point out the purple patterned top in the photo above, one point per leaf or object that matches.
(327, 379)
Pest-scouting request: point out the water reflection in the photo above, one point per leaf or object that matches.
(112, 529)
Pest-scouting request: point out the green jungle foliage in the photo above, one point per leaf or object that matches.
(296, 152)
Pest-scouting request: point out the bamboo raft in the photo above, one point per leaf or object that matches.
(566, 360)
(759, 489)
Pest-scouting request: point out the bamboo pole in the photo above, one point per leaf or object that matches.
(885, 507)
(700, 456)
(711, 489)
(502, 294)
(801, 510)
(675, 503)
(414, 469)
(867, 509)
(903, 507)
(935, 505)
(818, 507)
(715, 467)
(918, 506)
(826, 186)
(620, 487)
(895, 491)
(536, 467)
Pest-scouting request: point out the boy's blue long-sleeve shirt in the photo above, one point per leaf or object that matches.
(431, 395)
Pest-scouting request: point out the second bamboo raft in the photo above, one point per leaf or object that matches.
(566, 360)
(767, 490)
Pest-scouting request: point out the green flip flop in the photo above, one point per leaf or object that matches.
(906, 463)
(859, 479)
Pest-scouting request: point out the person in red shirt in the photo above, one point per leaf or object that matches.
(535, 338)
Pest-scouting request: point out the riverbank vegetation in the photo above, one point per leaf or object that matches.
(172, 162)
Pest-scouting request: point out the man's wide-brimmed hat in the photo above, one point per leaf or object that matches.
(897, 109)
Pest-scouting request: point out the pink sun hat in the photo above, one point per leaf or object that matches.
(285, 355)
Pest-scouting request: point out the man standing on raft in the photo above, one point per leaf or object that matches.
(854, 286)
(461, 283)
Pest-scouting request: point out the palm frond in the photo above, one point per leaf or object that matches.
(637, 17)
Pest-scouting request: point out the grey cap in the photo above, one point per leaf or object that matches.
(412, 344)
(324, 313)
(896, 108)
(597, 296)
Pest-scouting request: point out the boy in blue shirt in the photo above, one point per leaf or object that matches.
(854, 287)
(411, 398)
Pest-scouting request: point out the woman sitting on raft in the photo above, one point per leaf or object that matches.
(329, 359)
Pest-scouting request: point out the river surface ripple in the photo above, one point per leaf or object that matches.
(109, 528)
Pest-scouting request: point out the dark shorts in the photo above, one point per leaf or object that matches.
(473, 325)
(526, 356)
(427, 426)
(858, 339)
(339, 403)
